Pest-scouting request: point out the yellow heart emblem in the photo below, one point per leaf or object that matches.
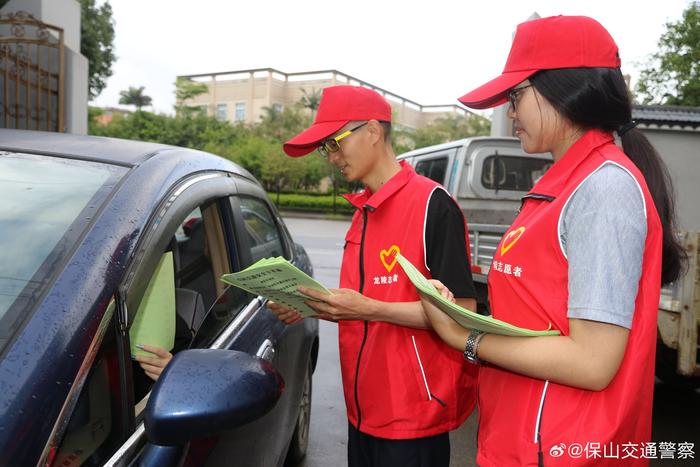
(389, 254)
(510, 239)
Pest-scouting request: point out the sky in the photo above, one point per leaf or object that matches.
(430, 52)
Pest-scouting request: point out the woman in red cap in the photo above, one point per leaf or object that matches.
(586, 255)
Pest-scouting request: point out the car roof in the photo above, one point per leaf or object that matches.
(94, 148)
(119, 151)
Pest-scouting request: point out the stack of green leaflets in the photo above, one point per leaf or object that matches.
(278, 280)
(464, 317)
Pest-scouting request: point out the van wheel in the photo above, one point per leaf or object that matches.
(300, 438)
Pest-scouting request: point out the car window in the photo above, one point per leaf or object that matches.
(93, 433)
(47, 202)
(434, 169)
(261, 229)
(185, 302)
(512, 173)
(201, 256)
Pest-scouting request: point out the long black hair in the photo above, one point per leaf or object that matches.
(598, 98)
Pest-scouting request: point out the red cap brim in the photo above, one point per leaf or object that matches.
(308, 140)
(493, 93)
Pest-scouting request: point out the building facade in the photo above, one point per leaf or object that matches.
(242, 95)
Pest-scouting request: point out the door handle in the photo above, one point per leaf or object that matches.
(266, 350)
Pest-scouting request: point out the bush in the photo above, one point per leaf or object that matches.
(311, 203)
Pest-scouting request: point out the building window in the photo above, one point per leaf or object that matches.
(277, 108)
(240, 111)
(221, 112)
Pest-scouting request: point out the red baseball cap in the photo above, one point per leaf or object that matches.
(339, 105)
(545, 44)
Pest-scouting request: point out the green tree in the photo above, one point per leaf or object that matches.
(442, 130)
(196, 132)
(96, 43)
(93, 113)
(311, 100)
(279, 126)
(135, 96)
(672, 74)
(186, 89)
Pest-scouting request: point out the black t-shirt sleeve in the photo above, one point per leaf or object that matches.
(445, 244)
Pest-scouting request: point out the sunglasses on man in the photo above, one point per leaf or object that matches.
(333, 144)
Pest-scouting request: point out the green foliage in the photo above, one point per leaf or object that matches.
(672, 74)
(442, 130)
(311, 100)
(281, 126)
(134, 96)
(198, 132)
(186, 89)
(96, 43)
(258, 147)
(292, 201)
(93, 113)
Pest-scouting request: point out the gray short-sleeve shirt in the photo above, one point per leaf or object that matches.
(602, 232)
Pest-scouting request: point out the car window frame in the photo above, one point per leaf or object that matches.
(161, 227)
(251, 190)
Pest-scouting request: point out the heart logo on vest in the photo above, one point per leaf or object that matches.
(510, 239)
(388, 257)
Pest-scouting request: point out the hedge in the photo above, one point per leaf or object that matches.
(313, 203)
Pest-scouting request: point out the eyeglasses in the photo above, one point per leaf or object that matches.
(333, 144)
(514, 93)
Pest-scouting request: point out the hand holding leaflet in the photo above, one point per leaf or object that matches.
(466, 318)
(278, 280)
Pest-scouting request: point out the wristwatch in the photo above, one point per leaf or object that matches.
(471, 346)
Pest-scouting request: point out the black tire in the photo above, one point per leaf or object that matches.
(300, 438)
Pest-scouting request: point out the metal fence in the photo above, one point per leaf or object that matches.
(31, 74)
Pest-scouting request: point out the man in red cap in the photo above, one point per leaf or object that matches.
(404, 389)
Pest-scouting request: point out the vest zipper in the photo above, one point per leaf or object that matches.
(364, 337)
(538, 426)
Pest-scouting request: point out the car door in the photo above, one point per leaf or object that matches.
(193, 228)
(260, 234)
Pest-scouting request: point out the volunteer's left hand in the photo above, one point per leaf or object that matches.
(340, 304)
(448, 329)
(443, 290)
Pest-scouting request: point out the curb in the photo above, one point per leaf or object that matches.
(315, 215)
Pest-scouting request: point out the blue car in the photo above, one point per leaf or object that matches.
(99, 236)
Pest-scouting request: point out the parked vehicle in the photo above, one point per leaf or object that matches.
(489, 175)
(85, 223)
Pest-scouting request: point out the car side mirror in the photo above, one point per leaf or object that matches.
(206, 391)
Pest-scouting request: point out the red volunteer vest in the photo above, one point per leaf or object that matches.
(399, 382)
(521, 416)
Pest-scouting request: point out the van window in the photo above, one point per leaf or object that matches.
(512, 173)
(434, 169)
